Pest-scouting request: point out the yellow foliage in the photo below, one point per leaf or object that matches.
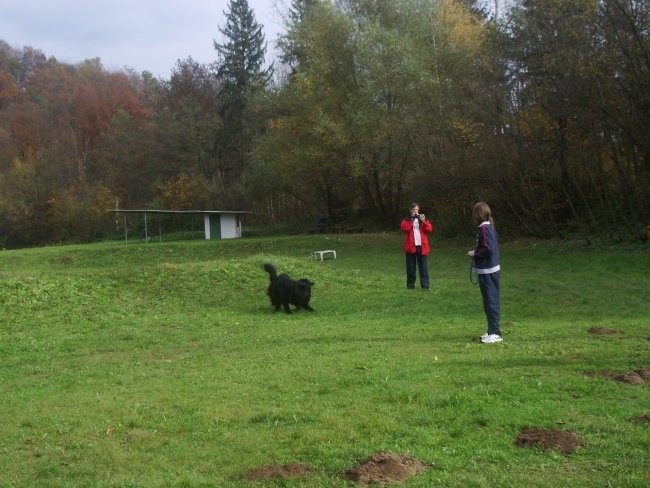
(469, 132)
(104, 200)
(178, 193)
(460, 28)
(534, 122)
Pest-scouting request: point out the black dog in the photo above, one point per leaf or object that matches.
(284, 291)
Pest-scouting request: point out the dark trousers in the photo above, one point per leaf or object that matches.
(489, 284)
(420, 261)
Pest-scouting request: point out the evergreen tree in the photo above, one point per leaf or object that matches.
(242, 74)
(243, 50)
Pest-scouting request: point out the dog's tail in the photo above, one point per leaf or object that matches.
(270, 269)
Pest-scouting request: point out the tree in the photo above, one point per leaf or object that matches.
(623, 98)
(376, 101)
(417, 105)
(241, 72)
(69, 135)
(293, 44)
(554, 62)
(305, 150)
(189, 118)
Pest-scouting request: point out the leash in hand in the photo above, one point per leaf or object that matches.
(473, 276)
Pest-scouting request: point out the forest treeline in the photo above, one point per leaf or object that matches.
(540, 107)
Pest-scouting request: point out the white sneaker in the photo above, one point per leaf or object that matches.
(484, 336)
(491, 339)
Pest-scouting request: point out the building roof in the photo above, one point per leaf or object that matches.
(186, 212)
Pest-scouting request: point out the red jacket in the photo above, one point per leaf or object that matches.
(409, 240)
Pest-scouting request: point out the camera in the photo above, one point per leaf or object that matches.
(416, 216)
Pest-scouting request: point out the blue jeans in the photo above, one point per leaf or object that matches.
(420, 261)
(489, 284)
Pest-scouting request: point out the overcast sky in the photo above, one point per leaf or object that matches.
(144, 35)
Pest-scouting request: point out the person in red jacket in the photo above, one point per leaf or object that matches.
(416, 246)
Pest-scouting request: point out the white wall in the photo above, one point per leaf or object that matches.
(229, 227)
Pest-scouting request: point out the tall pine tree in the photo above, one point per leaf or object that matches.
(241, 71)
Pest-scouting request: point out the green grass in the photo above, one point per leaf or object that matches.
(164, 364)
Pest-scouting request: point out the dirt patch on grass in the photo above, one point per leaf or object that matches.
(383, 468)
(597, 330)
(636, 377)
(563, 441)
(279, 471)
(644, 372)
(643, 419)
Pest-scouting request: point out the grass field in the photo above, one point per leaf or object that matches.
(164, 365)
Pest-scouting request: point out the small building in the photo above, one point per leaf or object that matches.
(218, 224)
(222, 225)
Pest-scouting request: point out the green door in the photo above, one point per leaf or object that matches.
(215, 226)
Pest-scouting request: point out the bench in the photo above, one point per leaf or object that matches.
(321, 254)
